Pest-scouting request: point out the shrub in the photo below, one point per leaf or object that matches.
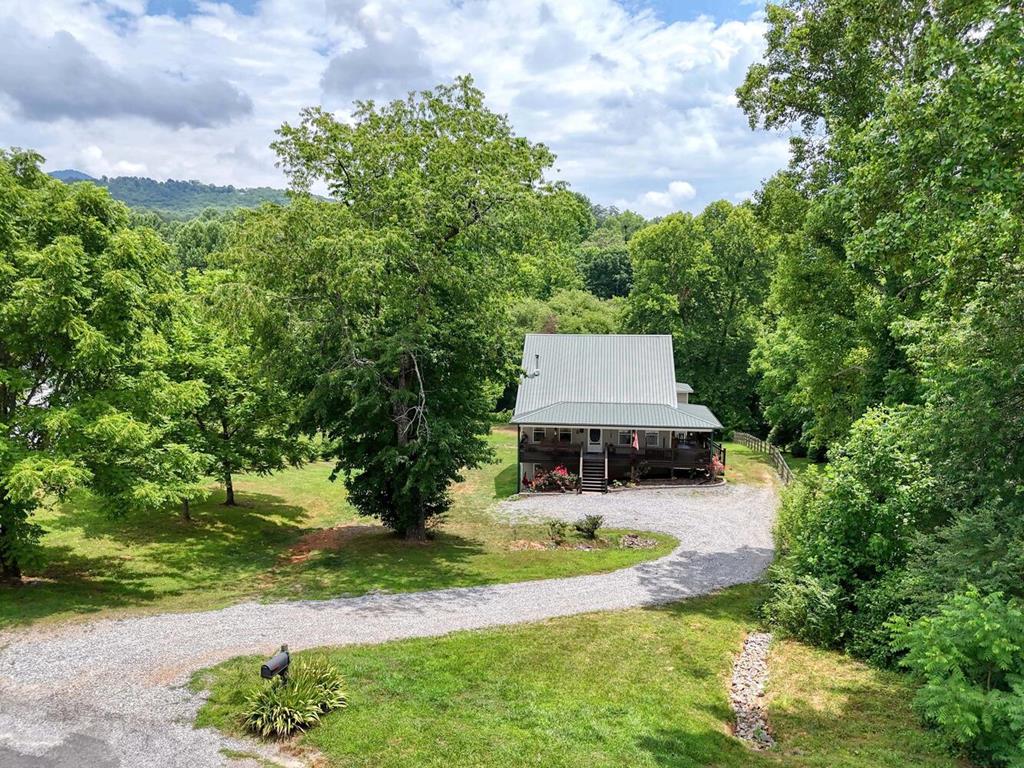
(558, 530)
(970, 660)
(804, 607)
(499, 418)
(588, 526)
(277, 709)
(558, 479)
(848, 529)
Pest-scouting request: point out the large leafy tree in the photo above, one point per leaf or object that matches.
(81, 298)
(604, 256)
(703, 279)
(243, 419)
(565, 312)
(197, 239)
(384, 309)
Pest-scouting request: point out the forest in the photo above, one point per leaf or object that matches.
(865, 308)
(177, 200)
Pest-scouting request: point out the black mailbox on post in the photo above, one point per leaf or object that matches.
(277, 665)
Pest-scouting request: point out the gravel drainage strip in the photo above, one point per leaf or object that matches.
(749, 674)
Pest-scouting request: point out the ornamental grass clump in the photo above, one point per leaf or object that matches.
(279, 709)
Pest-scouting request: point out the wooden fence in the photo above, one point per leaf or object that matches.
(774, 454)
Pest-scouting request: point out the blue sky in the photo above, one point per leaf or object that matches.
(636, 97)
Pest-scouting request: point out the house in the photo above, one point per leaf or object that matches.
(608, 407)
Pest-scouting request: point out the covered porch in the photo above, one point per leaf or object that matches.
(600, 455)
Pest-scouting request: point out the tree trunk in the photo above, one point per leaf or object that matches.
(10, 571)
(229, 488)
(186, 513)
(418, 530)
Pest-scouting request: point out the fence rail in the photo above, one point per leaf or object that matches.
(774, 454)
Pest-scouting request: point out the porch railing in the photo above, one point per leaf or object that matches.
(692, 455)
(774, 455)
(718, 450)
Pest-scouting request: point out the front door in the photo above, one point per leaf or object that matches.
(594, 441)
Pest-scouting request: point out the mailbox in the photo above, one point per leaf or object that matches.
(277, 665)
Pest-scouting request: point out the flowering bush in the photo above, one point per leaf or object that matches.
(716, 468)
(558, 479)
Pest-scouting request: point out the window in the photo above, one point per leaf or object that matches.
(625, 437)
(564, 435)
(651, 439)
(538, 434)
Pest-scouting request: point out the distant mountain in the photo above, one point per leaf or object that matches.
(176, 199)
(70, 174)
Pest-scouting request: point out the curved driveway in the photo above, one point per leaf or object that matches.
(112, 692)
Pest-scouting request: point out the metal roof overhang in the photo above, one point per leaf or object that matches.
(624, 415)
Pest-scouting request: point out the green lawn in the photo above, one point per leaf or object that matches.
(799, 465)
(629, 688)
(745, 465)
(278, 545)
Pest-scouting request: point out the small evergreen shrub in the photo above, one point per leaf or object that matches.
(970, 660)
(277, 709)
(588, 526)
(558, 531)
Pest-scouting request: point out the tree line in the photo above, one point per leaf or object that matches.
(894, 344)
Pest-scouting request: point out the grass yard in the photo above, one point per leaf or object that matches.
(284, 543)
(637, 688)
(800, 465)
(747, 467)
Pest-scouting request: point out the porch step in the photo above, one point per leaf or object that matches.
(593, 480)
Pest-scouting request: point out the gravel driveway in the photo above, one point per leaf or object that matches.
(111, 693)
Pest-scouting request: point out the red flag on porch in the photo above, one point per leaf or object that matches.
(636, 441)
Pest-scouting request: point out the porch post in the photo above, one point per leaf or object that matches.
(519, 459)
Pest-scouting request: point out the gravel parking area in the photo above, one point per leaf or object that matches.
(111, 693)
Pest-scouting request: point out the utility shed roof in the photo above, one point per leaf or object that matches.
(606, 380)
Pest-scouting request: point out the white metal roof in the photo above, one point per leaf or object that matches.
(604, 380)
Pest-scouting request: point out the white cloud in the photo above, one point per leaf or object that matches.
(627, 102)
(660, 202)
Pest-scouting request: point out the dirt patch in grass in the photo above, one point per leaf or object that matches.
(326, 540)
(525, 545)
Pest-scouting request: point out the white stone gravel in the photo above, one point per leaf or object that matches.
(112, 692)
(749, 675)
